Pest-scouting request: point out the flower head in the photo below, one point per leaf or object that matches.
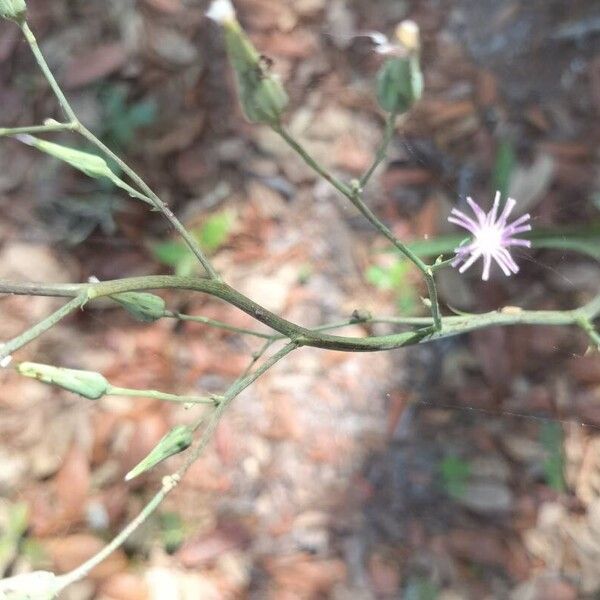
(492, 237)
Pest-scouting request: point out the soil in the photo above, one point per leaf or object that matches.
(467, 468)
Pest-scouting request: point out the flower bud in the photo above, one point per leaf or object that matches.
(261, 94)
(39, 585)
(15, 10)
(143, 306)
(174, 442)
(400, 80)
(88, 384)
(399, 83)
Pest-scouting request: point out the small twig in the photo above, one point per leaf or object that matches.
(114, 390)
(217, 324)
(50, 127)
(84, 569)
(390, 127)
(312, 163)
(21, 340)
(354, 194)
(256, 356)
(453, 325)
(41, 61)
(170, 482)
(588, 327)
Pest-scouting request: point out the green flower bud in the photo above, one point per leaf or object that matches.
(143, 306)
(262, 96)
(399, 83)
(85, 383)
(15, 10)
(39, 585)
(174, 442)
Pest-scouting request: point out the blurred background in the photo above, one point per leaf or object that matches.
(468, 468)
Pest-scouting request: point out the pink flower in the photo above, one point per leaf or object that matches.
(491, 237)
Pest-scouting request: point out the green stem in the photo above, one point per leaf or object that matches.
(84, 569)
(217, 324)
(302, 336)
(592, 309)
(170, 482)
(21, 340)
(41, 61)
(312, 163)
(588, 327)
(390, 127)
(227, 398)
(114, 390)
(48, 128)
(354, 195)
(142, 185)
(158, 203)
(257, 355)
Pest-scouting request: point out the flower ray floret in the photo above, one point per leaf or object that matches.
(492, 237)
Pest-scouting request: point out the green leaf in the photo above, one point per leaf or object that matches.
(121, 119)
(92, 165)
(211, 236)
(172, 531)
(215, 231)
(170, 253)
(394, 277)
(551, 436)
(455, 474)
(503, 169)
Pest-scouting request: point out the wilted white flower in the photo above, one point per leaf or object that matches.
(221, 11)
(491, 237)
(407, 39)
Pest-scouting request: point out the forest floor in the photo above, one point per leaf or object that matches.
(464, 469)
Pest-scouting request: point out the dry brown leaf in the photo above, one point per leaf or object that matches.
(95, 64)
(67, 553)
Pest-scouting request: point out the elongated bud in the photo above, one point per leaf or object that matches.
(92, 165)
(39, 585)
(262, 96)
(88, 384)
(400, 80)
(143, 306)
(174, 442)
(15, 10)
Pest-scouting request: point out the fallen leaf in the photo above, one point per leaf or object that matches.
(94, 64)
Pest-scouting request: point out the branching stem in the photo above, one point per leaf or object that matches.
(76, 125)
(354, 194)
